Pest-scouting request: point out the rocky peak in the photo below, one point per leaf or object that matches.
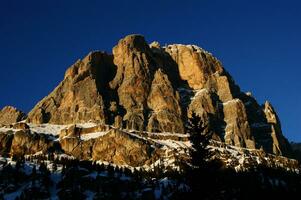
(196, 66)
(270, 113)
(202, 70)
(153, 88)
(155, 45)
(280, 144)
(134, 42)
(135, 66)
(10, 115)
(78, 97)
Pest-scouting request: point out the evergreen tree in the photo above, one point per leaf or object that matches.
(200, 139)
(34, 172)
(197, 173)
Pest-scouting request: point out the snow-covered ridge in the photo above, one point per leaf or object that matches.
(234, 157)
(231, 101)
(192, 94)
(173, 47)
(198, 93)
(4, 129)
(50, 129)
(93, 135)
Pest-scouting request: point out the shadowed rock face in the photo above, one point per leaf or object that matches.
(280, 144)
(153, 88)
(5, 143)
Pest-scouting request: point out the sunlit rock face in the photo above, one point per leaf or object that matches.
(157, 89)
(10, 115)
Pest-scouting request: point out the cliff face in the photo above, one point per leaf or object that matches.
(10, 115)
(151, 88)
(79, 97)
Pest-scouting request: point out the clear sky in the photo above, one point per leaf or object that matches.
(258, 41)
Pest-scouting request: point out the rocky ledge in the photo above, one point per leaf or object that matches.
(131, 149)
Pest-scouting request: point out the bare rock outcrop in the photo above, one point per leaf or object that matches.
(280, 143)
(156, 89)
(194, 65)
(10, 115)
(206, 105)
(114, 147)
(164, 103)
(122, 149)
(132, 57)
(6, 139)
(78, 97)
(25, 142)
(237, 130)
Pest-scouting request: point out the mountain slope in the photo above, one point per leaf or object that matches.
(137, 102)
(153, 88)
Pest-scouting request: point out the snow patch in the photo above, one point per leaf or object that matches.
(231, 101)
(93, 135)
(3, 129)
(198, 93)
(49, 129)
(86, 125)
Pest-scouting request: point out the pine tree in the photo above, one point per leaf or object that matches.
(200, 139)
(199, 154)
(34, 171)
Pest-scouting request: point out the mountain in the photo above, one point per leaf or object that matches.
(117, 127)
(10, 115)
(131, 107)
(148, 88)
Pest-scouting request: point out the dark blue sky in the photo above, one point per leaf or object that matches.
(257, 41)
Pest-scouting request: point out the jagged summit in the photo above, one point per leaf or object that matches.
(10, 115)
(156, 89)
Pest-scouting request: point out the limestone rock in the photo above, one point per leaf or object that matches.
(280, 143)
(72, 131)
(25, 142)
(115, 147)
(155, 45)
(121, 149)
(76, 131)
(202, 104)
(152, 88)
(10, 115)
(6, 139)
(224, 89)
(132, 56)
(21, 125)
(237, 130)
(78, 97)
(206, 105)
(69, 144)
(118, 122)
(195, 66)
(164, 103)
